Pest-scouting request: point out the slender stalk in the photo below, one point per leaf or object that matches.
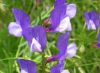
(43, 62)
(7, 59)
(17, 53)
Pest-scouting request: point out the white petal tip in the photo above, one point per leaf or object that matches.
(71, 10)
(72, 50)
(15, 29)
(35, 46)
(65, 71)
(64, 25)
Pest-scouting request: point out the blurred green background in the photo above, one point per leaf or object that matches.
(11, 48)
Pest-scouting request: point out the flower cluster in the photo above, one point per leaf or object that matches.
(36, 36)
(37, 39)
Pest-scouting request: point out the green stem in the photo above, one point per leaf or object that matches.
(17, 54)
(47, 14)
(98, 32)
(7, 59)
(43, 62)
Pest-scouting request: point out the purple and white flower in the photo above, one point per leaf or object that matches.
(21, 24)
(62, 46)
(61, 15)
(92, 20)
(27, 66)
(65, 49)
(36, 37)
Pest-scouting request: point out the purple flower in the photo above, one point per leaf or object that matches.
(92, 20)
(27, 66)
(62, 46)
(36, 37)
(61, 15)
(57, 69)
(65, 51)
(22, 23)
(71, 52)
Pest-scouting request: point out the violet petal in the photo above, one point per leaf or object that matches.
(56, 69)
(28, 35)
(59, 2)
(27, 66)
(63, 42)
(62, 46)
(21, 18)
(22, 23)
(57, 15)
(37, 33)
